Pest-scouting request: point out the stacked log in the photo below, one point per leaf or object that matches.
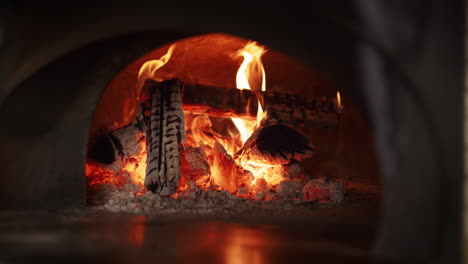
(163, 136)
(161, 117)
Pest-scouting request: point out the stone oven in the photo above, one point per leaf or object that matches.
(341, 122)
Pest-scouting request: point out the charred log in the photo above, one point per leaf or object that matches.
(117, 145)
(285, 108)
(164, 134)
(102, 150)
(276, 144)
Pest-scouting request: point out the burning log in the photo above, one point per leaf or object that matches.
(275, 144)
(113, 149)
(164, 134)
(286, 108)
(162, 118)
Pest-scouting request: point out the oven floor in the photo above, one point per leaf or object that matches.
(333, 235)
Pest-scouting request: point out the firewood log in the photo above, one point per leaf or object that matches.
(275, 144)
(111, 148)
(283, 107)
(165, 133)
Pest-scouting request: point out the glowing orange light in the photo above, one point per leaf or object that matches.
(250, 69)
(136, 166)
(133, 167)
(252, 72)
(219, 167)
(149, 68)
(338, 98)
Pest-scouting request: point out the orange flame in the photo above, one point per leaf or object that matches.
(220, 169)
(135, 166)
(251, 69)
(227, 173)
(132, 169)
(250, 72)
(149, 68)
(338, 98)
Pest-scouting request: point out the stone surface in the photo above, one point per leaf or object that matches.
(289, 189)
(339, 235)
(323, 190)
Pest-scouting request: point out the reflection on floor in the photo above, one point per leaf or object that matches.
(335, 235)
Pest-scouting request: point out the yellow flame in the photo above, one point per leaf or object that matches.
(260, 114)
(338, 98)
(149, 68)
(242, 79)
(251, 74)
(251, 71)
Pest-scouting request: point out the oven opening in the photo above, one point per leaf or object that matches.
(220, 124)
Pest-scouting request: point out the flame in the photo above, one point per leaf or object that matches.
(227, 173)
(260, 114)
(249, 71)
(135, 165)
(149, 68)
(219, 168)
(338, 99)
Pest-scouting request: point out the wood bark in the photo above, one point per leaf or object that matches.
(276, 144)
(161, 117)
(283, 107)
(164, 134)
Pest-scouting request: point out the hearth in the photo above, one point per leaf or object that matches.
(205, 124)
(354, 145)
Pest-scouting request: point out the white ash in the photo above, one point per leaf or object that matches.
(289, 189)
(291, 170)
(288, 195)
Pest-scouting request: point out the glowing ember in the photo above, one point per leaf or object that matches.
(135, 165)
(251, 74)
(131, 170)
